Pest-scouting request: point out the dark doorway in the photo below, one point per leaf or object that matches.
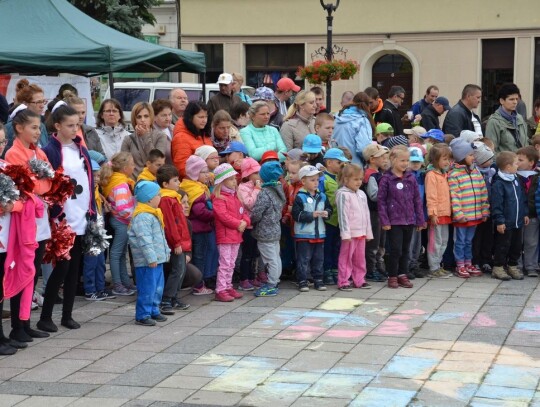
(390, 70)
(497, 69)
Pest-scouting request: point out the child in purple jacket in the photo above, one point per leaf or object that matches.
(400, 212)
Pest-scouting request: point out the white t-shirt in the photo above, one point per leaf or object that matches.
(77, 205)
(5, 221)
(477, 126)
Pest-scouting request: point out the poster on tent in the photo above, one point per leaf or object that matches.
(50, 86)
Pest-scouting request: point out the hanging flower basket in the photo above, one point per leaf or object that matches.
(323, 71)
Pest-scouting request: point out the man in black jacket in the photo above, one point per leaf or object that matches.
(394, 101)
(431, 114)
(461, 116)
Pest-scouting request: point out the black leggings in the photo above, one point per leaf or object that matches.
(399, 237)
(66, 272)
(2, 261)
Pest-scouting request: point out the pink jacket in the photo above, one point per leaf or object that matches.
(353, 214)
(247, 193)
(228, 213)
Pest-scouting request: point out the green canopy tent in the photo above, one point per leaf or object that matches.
(53, 36)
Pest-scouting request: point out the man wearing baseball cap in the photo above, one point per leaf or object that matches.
(225, 98)
(431, 114)
(284, 90)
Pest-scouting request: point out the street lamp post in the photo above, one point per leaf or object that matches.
(330, 8)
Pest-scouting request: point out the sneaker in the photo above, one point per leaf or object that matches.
(223, 296)
(319, 285)
(486, 268)
(235, 294)
(262, 277)
(179, 305)
(202, 290)
(328, 278)
(473, 270)
(303, 286)
(403, 281)
(145, 322)
(38, 299)
(410, 276)
(499, 273)
(256, 283)
(166, 308)
(131, 287)
(462, 272)
(440, 273)
(245, 285)
(515, 272)
(345, 288)
(93, 297)
(533, 273)
(159, 318)
(365, 286)
(119, 289)
(106, 295)
(266, 291)
(35, 306)
(377, 277)
(393, 282)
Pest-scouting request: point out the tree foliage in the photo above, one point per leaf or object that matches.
(127, 16)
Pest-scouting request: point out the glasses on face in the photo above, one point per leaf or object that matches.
(111, 111)
(3, 142)
(401, 96)
(39, 102)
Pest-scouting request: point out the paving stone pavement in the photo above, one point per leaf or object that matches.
(445, 343)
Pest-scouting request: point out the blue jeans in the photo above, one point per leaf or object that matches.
(463, 237)
(309, 258)
(212, 256)
(118, 250)
(332, 243)
(287, 253)
(150, 283)
(199, 250)
(94, 273)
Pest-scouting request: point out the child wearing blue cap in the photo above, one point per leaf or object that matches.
(312, 146)
(334, 159)
(150, 250)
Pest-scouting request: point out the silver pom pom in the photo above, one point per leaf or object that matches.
(42, 169)
(95, 240)
(8, 190)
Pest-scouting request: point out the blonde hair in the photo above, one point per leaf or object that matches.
(396, 151)
(238, 78)
(348, 171)
(302, 98)
(118, 162)
(217, 189)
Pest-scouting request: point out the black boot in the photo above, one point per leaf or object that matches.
(46, 325)
(18, 334)
(32, 332)
(70, 323)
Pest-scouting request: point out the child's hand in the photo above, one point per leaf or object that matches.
(434, 220)
(387, 227)
(178, 250)
(501, 229)
(8, 207)
(324, 214)
(188, 258)
(463, 220)
(526, 220)
(289, 209)
(153, 265)
(242, 226)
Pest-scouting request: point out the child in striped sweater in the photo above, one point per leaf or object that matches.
(470, 205)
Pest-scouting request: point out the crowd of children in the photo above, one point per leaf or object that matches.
(330, 219)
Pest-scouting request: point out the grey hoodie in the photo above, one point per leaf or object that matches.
(266, 214)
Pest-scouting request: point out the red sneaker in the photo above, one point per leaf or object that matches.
(403, 281)
(462, 272)
(235, 294)
(223, 296)
(473, 270)
(262, 277)
(393, 282)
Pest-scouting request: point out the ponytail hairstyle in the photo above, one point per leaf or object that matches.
(361, 102)
(59, 115)
(301, 98)
(349, 170)
(24, 117)
(118, 163)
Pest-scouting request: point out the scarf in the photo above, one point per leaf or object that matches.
(194, 189)
(145, 208)
(228, 190)
(117, 178)
(511, 117)
(146, 175)
(169, 193)
(99, 201)
(219, 145)
(506, 177)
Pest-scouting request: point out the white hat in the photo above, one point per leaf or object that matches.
(470, 136)
(205, 151)
(308, 171)
(225, 79)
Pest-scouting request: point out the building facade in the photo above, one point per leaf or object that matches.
(448, 43)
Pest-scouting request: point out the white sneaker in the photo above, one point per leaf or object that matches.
(35, 306)
(38, 299)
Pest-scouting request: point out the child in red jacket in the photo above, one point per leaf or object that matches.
(231, 221)
(178, 238)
